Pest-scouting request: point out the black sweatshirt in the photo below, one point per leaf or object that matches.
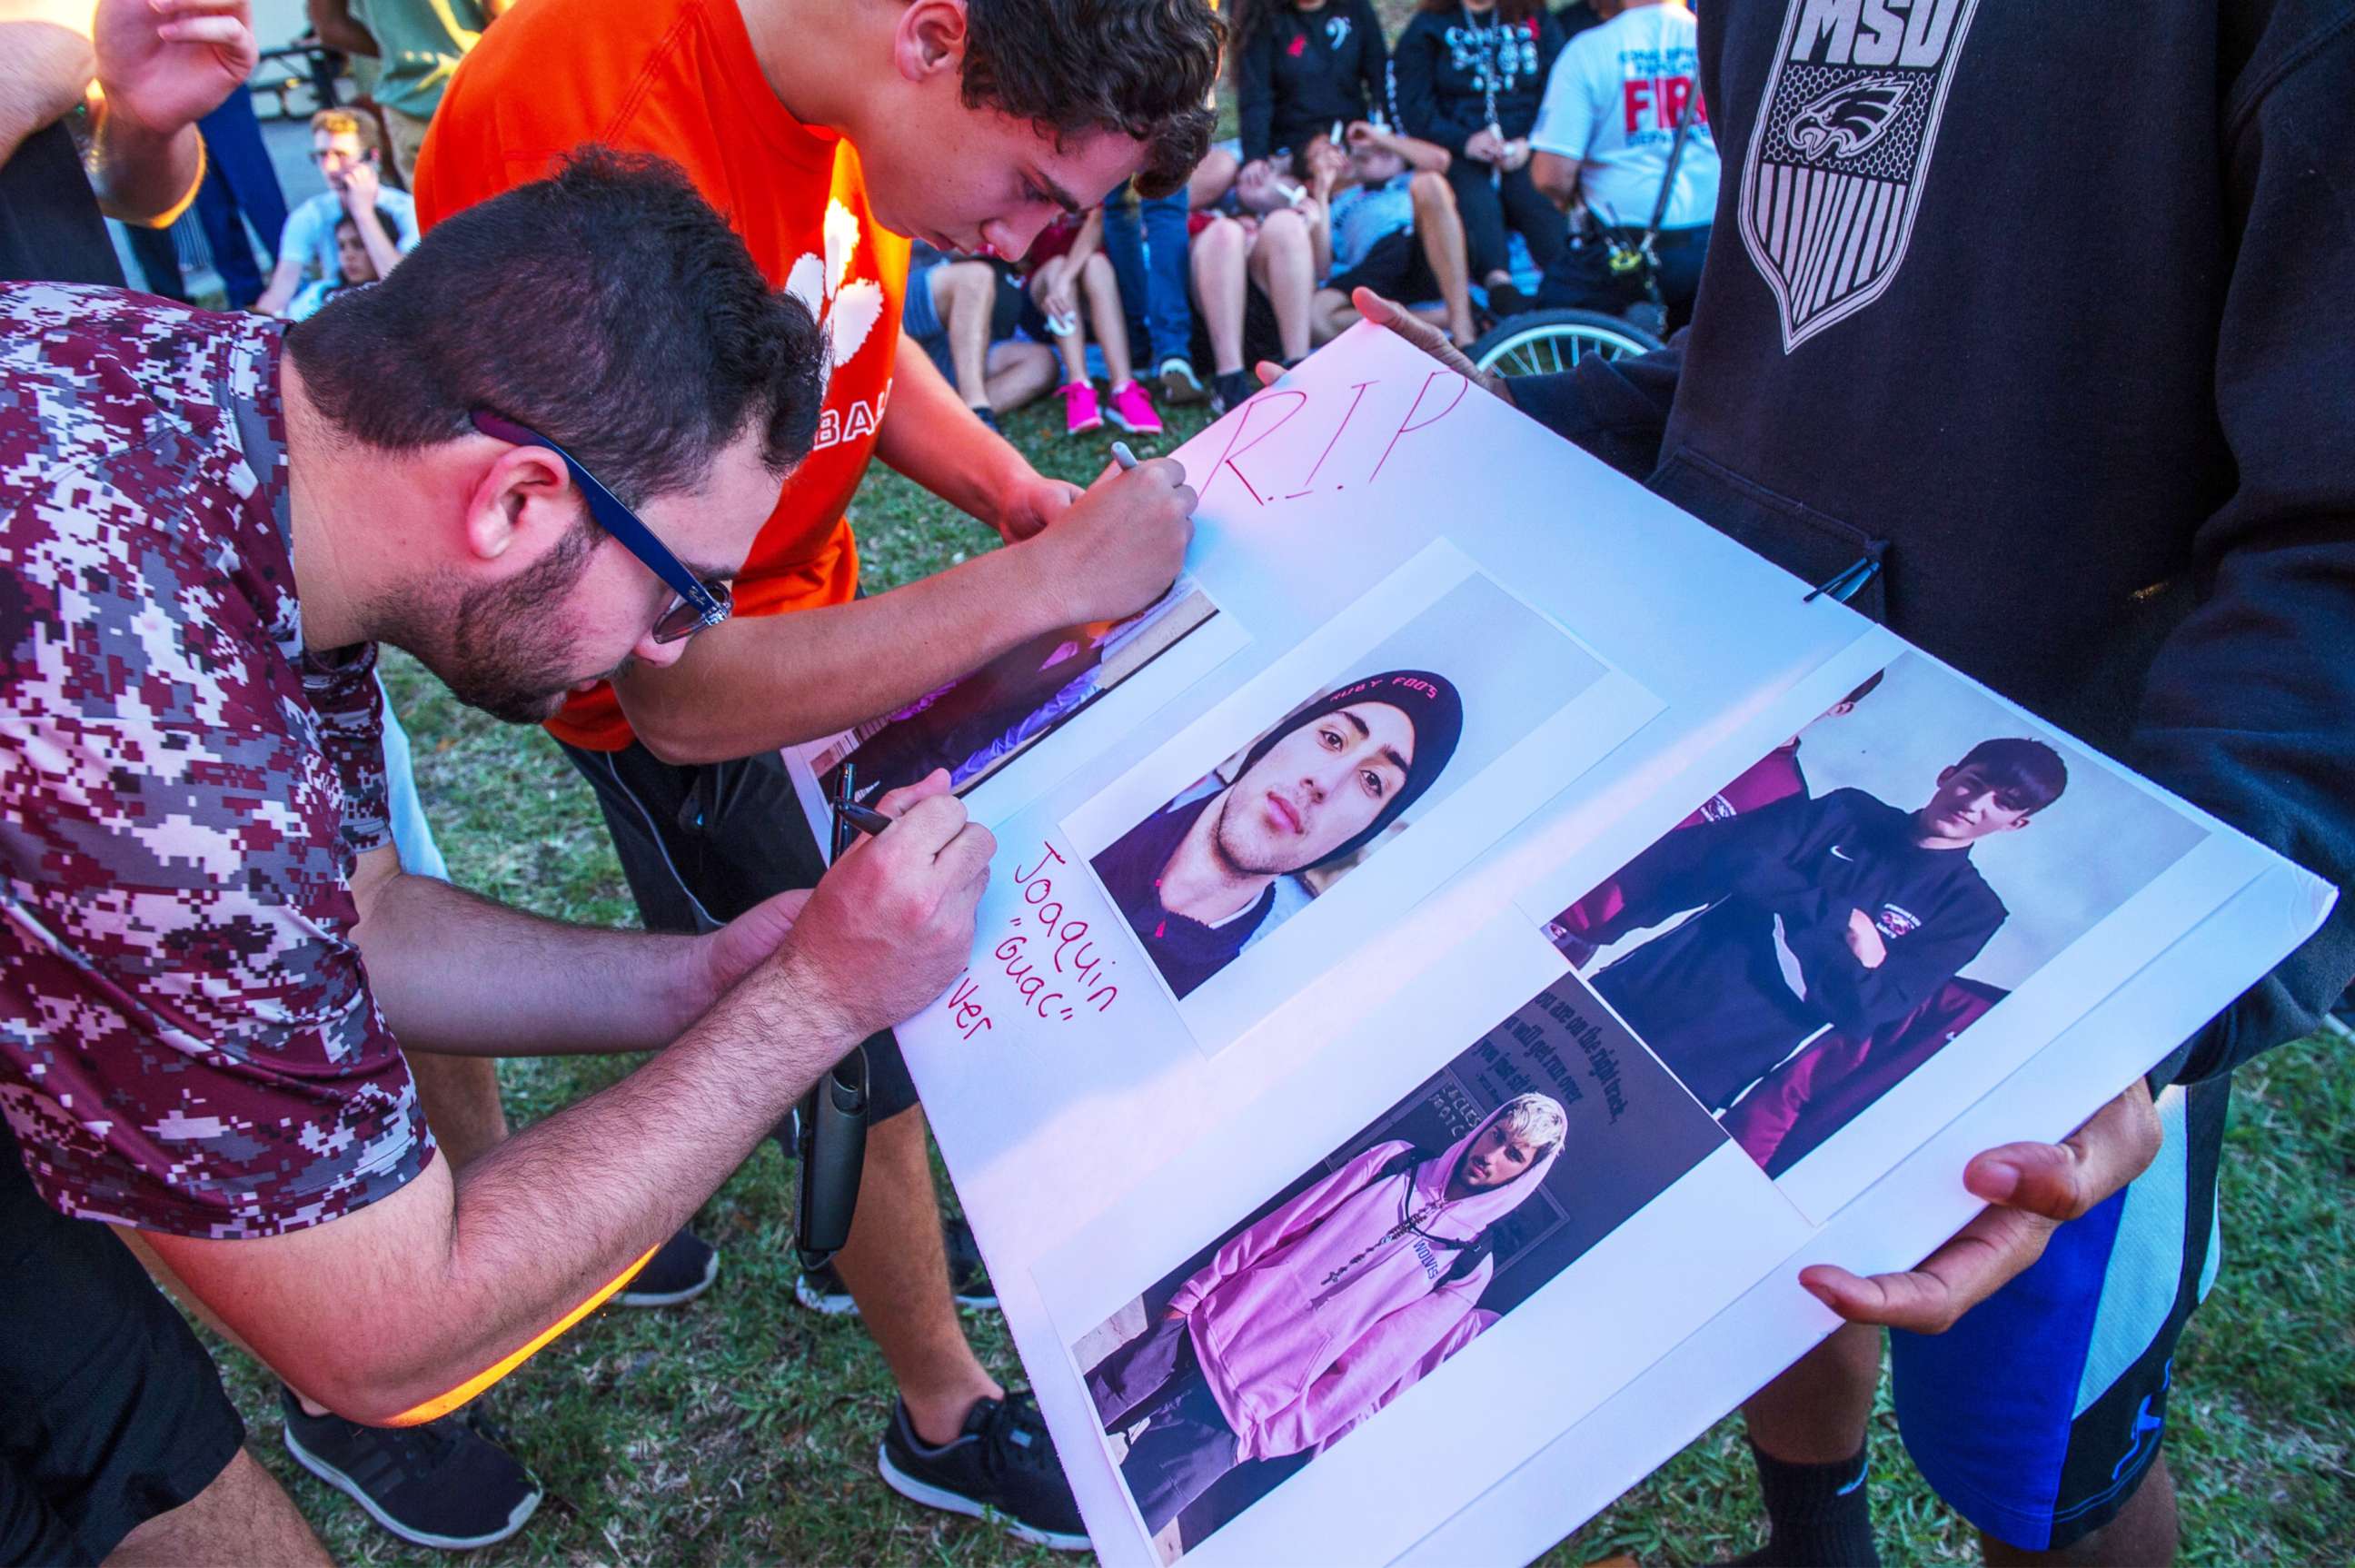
(1712, 998)
(1441, 59)
(2091, 403)
(1303, 70)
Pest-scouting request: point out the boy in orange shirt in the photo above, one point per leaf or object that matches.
(830, 134)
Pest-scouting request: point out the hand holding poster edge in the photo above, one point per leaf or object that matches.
(2030, 1189)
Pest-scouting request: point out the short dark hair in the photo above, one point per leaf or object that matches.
(1143, 68)
(608, 307)
(2029, 774)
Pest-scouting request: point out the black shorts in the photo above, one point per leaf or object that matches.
(111, 1412)
(702, 844)
(1396, 268)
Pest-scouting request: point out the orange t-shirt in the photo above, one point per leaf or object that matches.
(678, 77)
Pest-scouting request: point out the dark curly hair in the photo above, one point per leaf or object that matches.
(1144, 67)
(609, 307)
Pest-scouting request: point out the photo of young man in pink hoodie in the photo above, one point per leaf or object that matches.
(1314, 1317)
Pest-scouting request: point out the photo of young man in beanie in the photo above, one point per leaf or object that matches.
(1196, 881)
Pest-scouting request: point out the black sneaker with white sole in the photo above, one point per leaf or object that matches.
(443, 1484)
(681, 1269)
(822, 1290)
(1002, 1466)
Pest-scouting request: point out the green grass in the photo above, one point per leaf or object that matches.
(742, 1428)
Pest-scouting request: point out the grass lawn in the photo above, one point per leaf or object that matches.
(742, 1428)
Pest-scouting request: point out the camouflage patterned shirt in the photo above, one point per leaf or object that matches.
(187, 1041)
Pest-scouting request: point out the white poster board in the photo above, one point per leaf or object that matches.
(1150, 1095)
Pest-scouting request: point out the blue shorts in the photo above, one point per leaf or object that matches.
(2038, 1415)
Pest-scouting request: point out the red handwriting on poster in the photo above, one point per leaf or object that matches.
(966, 1014)
(1301, 464)
(1046, 954)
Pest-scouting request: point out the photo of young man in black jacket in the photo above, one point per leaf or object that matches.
(1839, 913)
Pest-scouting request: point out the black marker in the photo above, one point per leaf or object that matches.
(865, 818)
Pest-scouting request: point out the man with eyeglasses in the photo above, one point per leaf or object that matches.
(211, 961)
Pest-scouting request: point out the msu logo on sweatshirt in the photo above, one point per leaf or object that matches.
(1841, 151)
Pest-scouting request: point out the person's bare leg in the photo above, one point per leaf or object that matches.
(1815, 1413)
(1104, 312)
(961, 297)
(1440, 228)
(896, 1269)
(2145, 1533)
(244, 1520)
(1071, 347)
(460, 1096)
(1217, 256)
(1283, 265)
(1019, 372)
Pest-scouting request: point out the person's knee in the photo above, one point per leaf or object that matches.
(1431, 192)
(961, 285)
(1283, 231)
(243, 1515)
(1223, 240)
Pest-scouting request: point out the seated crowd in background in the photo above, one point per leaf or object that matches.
(1410, 174)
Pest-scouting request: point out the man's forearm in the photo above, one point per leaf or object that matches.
(763, 682)
(464, 976)
(419, 1292)
(140, 175)
(929, 435)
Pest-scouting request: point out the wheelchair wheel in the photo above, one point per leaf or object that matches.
(1540, 342)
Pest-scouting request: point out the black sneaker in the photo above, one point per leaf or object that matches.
(1231, 390)
(681, 1269)
(443, 1484)
(1504, 300)
(1002, 1465)
(822, 1290)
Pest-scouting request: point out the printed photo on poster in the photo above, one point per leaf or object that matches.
(1205, 877)
(1310, 1317)
(977, 724)
(1853, 903)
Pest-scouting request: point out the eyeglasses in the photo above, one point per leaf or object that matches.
(702, 603)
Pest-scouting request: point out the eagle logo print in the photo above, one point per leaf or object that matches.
(1834, 174)
(1846, 120)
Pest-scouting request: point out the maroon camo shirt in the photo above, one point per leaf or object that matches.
(187, 1041)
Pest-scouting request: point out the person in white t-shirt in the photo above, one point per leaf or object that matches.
(1603, 139)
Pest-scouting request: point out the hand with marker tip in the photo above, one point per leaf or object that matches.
(892, 922)
(1120, 546)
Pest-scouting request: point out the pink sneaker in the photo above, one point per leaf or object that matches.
(1132, 410)
(1081, 412)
